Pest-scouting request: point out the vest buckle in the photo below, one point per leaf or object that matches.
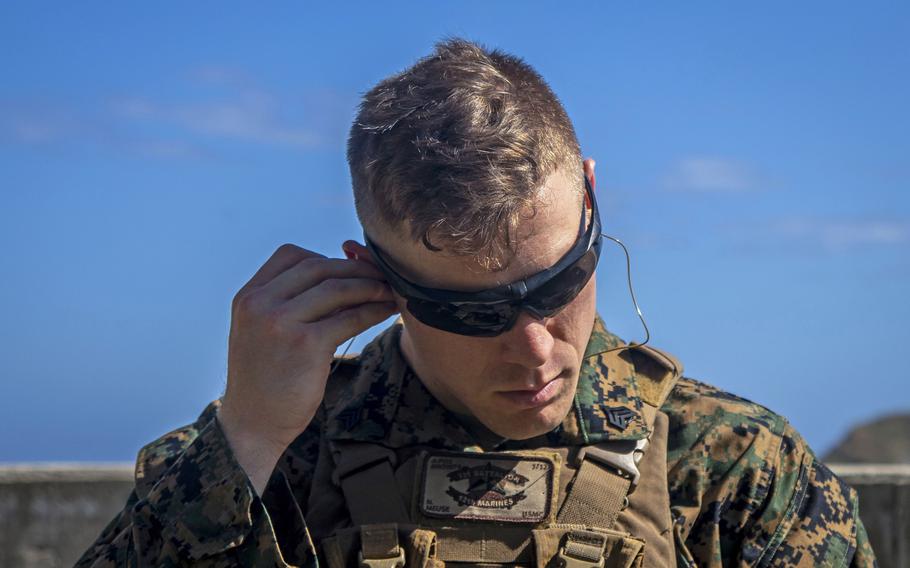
(379, 547)
(624, 459)
(390, 562)
(582, 549)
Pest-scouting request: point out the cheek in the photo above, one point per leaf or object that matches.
(457, 354)
(578, 317)
(587, 295)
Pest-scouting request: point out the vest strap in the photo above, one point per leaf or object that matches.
(364, 472)
(607, 475)
(386, 545)
(583, 549)
(596, 497)
(379, 547)
(579, 546)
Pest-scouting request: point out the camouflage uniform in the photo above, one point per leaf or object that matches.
(744, 487)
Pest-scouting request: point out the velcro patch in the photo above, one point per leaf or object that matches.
(488, 487)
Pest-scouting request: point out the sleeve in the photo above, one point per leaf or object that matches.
(807, 516)
(199, 509)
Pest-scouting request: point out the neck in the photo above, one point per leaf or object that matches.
(485, 437)
(426, 375)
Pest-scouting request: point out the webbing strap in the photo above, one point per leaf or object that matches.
(578, 546)
(596, 497)
(479, 543)
(352, 546)
(364, 472)
(379, 546)
(583, 549)
(608, 473)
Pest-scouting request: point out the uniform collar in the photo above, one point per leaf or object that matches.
(386, 402)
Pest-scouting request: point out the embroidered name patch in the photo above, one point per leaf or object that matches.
(488, 487)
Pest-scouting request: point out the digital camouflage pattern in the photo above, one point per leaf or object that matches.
(745, 488)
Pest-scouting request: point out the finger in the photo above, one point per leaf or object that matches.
(348, 323)
(284, 257)
(334, 295)
(311, 271)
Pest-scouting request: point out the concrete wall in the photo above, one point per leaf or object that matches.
(50, 513)
(884, 507)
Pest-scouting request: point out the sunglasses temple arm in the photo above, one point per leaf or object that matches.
(634, 301)
(631, 293)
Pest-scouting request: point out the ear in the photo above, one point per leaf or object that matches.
(355, 250)
(589, 164)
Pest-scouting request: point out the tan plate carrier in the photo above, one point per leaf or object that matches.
(610, 500)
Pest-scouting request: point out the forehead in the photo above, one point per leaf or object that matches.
(541, 238)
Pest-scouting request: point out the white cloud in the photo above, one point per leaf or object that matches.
(249, 117)
(169, 149)
(37, 121)
(34, 131)
(711, 175)
(840, 234)
(236, 107)
(212, 103)
(222, 75)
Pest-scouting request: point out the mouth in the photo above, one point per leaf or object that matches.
(536, 397)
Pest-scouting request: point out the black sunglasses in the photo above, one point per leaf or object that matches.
(491, 312)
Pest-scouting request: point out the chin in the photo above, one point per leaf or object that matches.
(531, 423)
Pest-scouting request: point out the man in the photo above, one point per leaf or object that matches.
(497, 422)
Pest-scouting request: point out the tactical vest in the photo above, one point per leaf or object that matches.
(601, 505)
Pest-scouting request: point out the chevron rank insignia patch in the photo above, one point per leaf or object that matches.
(620, 417)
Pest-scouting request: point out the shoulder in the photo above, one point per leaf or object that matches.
(156, 457)
(705, 418)
(204, 435)
(736, 464)
(361, 394)
(719, 454)
(722, 442)
(343, 385)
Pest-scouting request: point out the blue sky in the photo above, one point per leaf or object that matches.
(754, 159)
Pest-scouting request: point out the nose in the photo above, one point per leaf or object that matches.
(529, 343)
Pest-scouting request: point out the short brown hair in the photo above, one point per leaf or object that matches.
(457, 146)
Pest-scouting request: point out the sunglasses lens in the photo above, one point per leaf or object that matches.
(487, 320)
(565, 286)
(464, 319)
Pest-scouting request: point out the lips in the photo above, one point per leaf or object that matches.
(533, 398)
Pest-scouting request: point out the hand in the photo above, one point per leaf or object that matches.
(286, 324)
